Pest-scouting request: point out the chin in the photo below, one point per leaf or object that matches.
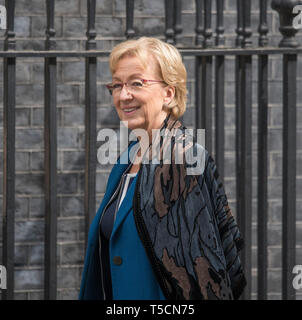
(134, 123)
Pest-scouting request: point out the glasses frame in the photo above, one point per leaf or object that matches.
(109, 86)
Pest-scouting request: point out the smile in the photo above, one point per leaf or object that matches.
(130, 110)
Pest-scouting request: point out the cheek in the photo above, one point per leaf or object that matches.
(115, 102)
(155, 104)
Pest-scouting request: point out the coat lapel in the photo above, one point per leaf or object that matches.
(125, 207)
(113, 180)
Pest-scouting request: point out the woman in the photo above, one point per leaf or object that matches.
(161, 231)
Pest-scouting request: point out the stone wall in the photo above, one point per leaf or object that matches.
(70, 25)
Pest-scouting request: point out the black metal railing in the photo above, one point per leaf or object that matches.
(209, 52)
(262, 153)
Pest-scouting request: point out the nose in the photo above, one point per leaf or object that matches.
(125, 94)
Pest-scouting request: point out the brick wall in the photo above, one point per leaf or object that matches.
(70, 24)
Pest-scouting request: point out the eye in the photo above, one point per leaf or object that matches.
(136, 83)
(116, 86)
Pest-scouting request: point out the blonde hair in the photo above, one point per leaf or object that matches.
(170, 66)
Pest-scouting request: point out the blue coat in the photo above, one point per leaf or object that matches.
(134, 278)
(181, 214)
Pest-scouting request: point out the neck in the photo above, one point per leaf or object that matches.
(146, 140)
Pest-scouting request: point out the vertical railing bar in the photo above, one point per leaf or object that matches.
(130, 33)
(262, 156)
(90, 119)
(247, 30)
(198, 64)
(219, 114)
(9, 123)
(198, 92)
(206, 90)
(50, 159)
(238, 100)
(220, 39)
(262, 176)
(206, 98)
(169, 17)
(208, 41)
(239, 29)
(243, 144)
(219, 93)
(177, 22)
(199, 29)
(289, 174)
(246, 148)
(263, 28)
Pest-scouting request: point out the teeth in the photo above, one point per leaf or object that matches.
(129, 109)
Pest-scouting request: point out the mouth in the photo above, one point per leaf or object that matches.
(129, 111)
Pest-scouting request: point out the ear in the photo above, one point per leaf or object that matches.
(169, 94)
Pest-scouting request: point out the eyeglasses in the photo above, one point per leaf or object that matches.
(133, 86)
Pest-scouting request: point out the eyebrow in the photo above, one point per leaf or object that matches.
(134, 75)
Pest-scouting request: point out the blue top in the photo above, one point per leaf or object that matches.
(107, 219)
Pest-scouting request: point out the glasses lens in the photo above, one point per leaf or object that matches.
(131, 87)
(135, 85)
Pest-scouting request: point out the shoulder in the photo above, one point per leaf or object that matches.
(188, 149)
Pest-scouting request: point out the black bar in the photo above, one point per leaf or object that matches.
(188, 51)
(220, 39)
(169, 13)
(238, 133)
(208, 41)
(247, 30)
(195, 51)
(204, 74)
(239, 29)
(219, 114)
(262, 176)
(206, 89)
(50, 160)
(206, 98)
(244, 173)
(244, 148)
(90, 121)
(50, 43)
(262, 156)
(289, 175)
(130, 33)
(198, 92)
(199, 26)
(238, 101)
(91, 32)
(219, 92)
(9, 123)
(177, 22)
(263, 29)
(203, 98)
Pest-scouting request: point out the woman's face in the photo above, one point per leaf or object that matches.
(143, 108)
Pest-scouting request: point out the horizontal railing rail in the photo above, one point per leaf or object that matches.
(222, 51)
